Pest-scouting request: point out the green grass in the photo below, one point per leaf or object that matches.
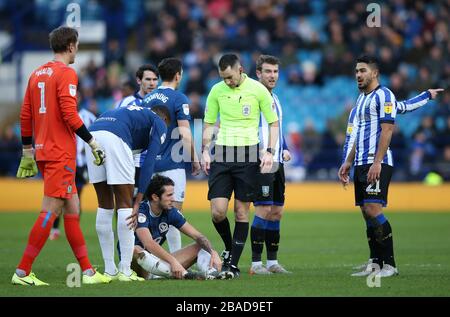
(320, 248)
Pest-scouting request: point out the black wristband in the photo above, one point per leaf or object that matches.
(84, 134)
(27, 140)
(269, 150)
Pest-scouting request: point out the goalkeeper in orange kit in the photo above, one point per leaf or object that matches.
(49, 113)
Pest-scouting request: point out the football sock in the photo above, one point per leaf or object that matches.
(378, 233)
(371, 240)
(203, 260)
(173, 239)
(239, 238)
(76, 240)
(257, 236)
(223, 228)
(103, 225)
(388, 245)
(126, 240)
(272, 239)
(36, 240)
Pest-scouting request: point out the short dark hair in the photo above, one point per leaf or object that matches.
(169, 67)
(156, 186)
(372, 61)
(228, 60)
(268, 59)
(143, 68)
(61, 37)
(163, 112)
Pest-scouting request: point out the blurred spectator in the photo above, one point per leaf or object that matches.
(10, 152)
(195, 83)
(443, 164)
(195, 108)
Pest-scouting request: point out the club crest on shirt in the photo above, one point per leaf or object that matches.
(163, 227)
(69, 189)
(388, 107)
(72, 90)
(142, 218)
(246, 110)
(186, 109)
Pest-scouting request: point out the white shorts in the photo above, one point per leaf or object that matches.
(119, 164)
(179, 178)
(139, 158)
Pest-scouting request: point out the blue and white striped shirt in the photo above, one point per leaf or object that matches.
(133, 100)
(403, 107)
(87, 117)
(373, 109)
(264, 132)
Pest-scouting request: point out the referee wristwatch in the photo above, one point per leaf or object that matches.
(269, 150)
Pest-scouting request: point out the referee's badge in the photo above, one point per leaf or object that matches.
(246, 110)
(388, 107)
(265, 191)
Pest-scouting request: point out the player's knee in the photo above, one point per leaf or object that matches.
(275, 215)
(372, 210)
(262, 211)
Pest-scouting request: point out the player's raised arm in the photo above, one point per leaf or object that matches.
(418, 101)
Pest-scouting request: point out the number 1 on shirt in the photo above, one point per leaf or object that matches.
(41, 86)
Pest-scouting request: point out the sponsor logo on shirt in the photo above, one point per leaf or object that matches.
(388, 107)
(350, 128)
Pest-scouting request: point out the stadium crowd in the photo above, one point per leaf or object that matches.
(317, 43)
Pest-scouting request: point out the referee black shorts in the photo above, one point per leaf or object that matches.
(234, 169)
(271, 188)
(372, 193)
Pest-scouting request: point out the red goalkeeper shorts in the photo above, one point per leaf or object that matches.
(59, 178)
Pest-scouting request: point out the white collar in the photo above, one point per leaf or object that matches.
(166, 87)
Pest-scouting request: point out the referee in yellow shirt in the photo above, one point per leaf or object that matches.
(237, 102)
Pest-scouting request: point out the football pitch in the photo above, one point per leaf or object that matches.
(320, 249)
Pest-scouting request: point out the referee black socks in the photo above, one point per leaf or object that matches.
(239, 238)
(223, 228)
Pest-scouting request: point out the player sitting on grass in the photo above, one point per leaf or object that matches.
(156, 213)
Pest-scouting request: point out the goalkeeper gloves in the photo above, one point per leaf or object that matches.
(97, 151)
(27, 166)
